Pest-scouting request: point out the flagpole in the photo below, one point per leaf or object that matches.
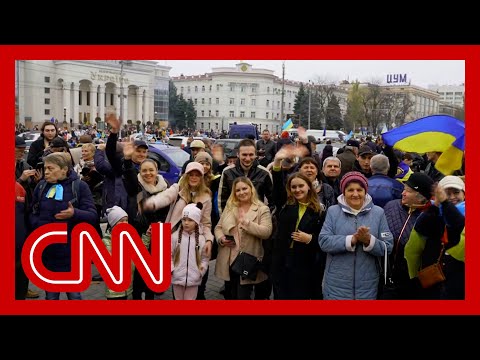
(283, 92)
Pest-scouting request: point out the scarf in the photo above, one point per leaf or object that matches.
(160, 185)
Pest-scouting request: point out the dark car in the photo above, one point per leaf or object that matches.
(228, 145)
(169, 159)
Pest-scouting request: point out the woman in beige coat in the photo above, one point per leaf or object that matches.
(249, 221)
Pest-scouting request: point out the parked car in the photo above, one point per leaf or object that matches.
(228, 145)
(169, 159)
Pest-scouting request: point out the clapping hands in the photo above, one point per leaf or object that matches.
(362, 235)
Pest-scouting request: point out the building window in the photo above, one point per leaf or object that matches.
(47, 90)
(203, 113)
(217, 101)
(232, 101)
(196, 88)
(278, 115)
(278, 104)
(289, 106)
(266, 127)
(252, 114)
(195, 101)
(232, 87)
(188, 88)
(203, 88)
(208, 126)
(88, 98)
(47, 111)
(209, 101)
(254, 89)
(47, 101)
(181, 90)
(268, 90)
(216, 113)
(266, 115)
(209, 113)
(254, 102)
(202, 126)
(216, 126)
(47, 79)
(218, 87)
(242, 101)
(268, 103)
(242, 114)
(242, 88)
(203, 101)
(111, 99)
(232, 114)
(210, 88)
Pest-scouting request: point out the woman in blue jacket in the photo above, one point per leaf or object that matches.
(55, 201)
(354, 236)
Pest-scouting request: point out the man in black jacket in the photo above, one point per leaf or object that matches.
(35, 152)
(247, 165)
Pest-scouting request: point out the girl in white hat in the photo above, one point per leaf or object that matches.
(189, 259)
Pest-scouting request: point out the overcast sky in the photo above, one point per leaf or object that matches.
(419, 72)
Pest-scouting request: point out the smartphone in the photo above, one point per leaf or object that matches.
(230, 238)
(39, 166)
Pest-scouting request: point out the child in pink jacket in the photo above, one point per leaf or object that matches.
(189, 261)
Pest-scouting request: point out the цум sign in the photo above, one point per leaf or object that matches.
(87, 247)
(397, 79)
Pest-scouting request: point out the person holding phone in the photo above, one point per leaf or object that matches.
(243, 225)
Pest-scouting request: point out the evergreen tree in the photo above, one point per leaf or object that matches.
(300, 107)
(190, 114)
(334, 115)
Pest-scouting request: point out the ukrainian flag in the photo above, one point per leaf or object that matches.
(288, 125)
(441, 133)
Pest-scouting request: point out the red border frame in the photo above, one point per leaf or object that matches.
(9, 53)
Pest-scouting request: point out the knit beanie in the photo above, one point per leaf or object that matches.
(422, 183)
(115, 214)
(193, 211)
(204, 156)
(353, 176)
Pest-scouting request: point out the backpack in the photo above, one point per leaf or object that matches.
(41, 188)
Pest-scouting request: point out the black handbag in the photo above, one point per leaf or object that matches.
(246, 266)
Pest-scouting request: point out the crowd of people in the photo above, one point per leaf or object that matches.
(281, 220)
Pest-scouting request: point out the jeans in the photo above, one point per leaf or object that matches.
(56, 295)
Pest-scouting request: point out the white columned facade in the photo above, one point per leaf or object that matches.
(116, 101)
(101, 100)
(75, 88)
(66, 112)
(125, 105)
(93, 103)
(139, 100)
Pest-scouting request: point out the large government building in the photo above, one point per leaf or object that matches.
(76, 92)
(240, 94)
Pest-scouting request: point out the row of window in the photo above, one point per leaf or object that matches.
(201, 113)
(276, 91)
(202, 126)
(253, 102)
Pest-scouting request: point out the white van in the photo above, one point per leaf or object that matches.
(334, 135)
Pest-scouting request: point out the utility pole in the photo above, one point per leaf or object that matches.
(309, 102)
(283, 93)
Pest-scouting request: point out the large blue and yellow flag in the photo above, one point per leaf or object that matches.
(288, 125)
(441, 133)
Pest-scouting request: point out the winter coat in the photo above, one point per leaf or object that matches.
(250, 239)
(383, 189)
(114, 192)
(353, 272)
(56, 257)
(177, 201)
(187, 272)
(297, 262)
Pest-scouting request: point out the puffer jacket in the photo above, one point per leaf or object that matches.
(353, 272)
(187, 272)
